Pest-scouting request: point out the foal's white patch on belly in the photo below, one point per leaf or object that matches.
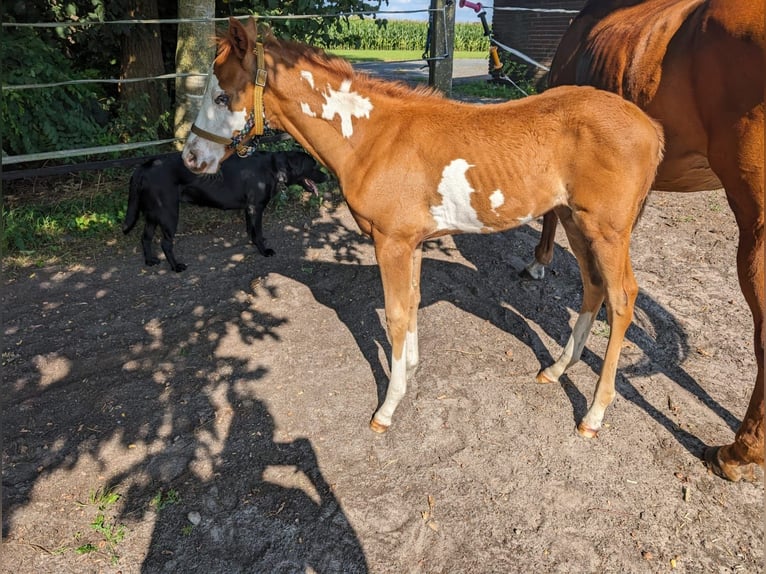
(496, 199)
(526, 219)
(455, 211)
(345, 104)
(309, 77)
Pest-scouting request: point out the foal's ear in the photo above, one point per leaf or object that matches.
(240, 40)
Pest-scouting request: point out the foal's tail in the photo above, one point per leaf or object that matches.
(134, 196)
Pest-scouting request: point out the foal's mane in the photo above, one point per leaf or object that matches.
(290, 52)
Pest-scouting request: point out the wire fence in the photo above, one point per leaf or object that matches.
(71, 153)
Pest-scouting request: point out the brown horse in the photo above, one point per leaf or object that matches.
(698, 67)
(414, 165)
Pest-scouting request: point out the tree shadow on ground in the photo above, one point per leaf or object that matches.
(120, 374)
(144, 384)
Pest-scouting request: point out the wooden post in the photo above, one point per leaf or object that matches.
(195, 51)
(442, 22)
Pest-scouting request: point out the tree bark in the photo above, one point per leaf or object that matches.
(195, 51)
(142, 57)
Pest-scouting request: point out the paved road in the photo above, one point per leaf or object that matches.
(417, 71)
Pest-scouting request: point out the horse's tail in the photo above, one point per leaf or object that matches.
(134, 203)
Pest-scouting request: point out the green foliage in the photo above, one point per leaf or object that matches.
(43, 226)
(374, 34)
(312, 30)
(44, 119)
(165, 498)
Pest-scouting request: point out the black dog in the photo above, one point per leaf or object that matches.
(159, 186)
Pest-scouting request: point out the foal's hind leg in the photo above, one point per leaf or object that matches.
(606, 271)
(544, 248)
(593, 297)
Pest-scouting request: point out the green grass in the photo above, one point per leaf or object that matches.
(109, 533)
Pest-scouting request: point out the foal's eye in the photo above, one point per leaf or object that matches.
(222, 100)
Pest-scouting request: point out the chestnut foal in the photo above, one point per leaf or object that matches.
(414, 165)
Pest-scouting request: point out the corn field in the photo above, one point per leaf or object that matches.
(374, 34)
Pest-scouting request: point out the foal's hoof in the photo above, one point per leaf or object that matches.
(378, 427)
(586, 432)
(545, 379)
(732, 472)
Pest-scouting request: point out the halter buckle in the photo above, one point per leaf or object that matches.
(260, 78)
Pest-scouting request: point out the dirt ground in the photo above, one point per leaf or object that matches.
(216, 420)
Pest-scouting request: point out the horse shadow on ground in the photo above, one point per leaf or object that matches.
(494, 291)
(146, 406)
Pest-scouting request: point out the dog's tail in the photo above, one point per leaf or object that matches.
(134, 197)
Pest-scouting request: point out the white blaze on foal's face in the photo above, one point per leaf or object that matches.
(215, 115)
(456, 211)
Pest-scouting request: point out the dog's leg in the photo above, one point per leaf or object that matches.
(167, 249)
(146, 243)
(254, 224)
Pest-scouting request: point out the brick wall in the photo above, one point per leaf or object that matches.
(535, 34)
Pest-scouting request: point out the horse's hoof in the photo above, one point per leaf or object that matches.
(586, 432)
(543, 378)
(534, 271)
(377, 427)
(731, 472)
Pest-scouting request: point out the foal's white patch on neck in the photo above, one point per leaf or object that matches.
(345, 104)
(306, 109)
(309, 77)
(456, 212)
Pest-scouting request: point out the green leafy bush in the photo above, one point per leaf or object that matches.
(45, 119)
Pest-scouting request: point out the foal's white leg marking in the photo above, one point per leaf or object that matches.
(455, 211)
(345, 104)
(397, 387)
(573, 348)
(411, 348)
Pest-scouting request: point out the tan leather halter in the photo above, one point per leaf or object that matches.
(255, 125)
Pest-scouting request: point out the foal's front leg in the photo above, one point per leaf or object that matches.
(396, 260)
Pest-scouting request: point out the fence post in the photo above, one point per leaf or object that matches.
(442, 22)
(194, 53)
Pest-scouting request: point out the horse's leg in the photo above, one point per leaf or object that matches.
(593, 297)
(411, 341)
(544, 249)
(744, 190)
(606, 271)
(621, 288)
(395, 260)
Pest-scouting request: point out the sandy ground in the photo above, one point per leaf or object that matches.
(226, 408)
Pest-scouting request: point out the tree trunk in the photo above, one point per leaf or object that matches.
(195, 51)
(142, 57)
